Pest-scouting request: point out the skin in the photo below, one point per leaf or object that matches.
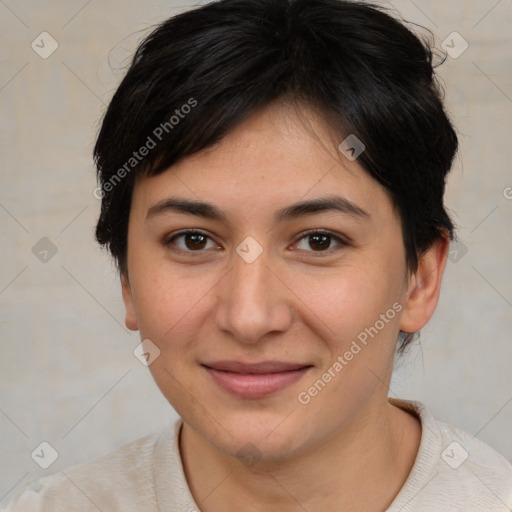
(348, 448)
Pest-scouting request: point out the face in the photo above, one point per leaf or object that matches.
(276, 324)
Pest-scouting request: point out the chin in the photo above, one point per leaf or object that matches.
(257, 434)
(261, 449)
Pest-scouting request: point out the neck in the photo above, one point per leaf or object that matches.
(360, 468)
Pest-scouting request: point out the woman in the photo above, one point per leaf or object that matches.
(272, 176)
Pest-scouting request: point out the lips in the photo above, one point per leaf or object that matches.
(255, 380)
(254, 368)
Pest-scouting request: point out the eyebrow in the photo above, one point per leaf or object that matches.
(300, 209)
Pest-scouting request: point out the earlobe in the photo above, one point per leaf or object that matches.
(424, 287)
(131, 317)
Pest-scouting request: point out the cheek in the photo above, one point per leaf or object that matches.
(349, 300)
(170, 305)
(171, 310)
(355, 315)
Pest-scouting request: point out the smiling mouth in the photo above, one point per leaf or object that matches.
(255, 380)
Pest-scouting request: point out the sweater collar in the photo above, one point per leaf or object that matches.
(173, 492)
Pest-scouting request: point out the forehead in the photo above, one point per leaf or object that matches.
(278, 156)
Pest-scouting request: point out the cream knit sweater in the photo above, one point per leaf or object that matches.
(453, 472)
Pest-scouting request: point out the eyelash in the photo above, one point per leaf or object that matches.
(341, 243)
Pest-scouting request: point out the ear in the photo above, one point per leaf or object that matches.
(424, 287)
(131, 317)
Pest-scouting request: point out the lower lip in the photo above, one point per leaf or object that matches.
(255, 385)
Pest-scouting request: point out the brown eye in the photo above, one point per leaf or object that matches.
(195, 241)
(191, 241)
(320, 242)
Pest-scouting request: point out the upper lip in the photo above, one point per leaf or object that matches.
(255, 368)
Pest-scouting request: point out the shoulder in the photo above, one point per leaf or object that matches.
(481, 466)
(454, 470)
(120, 480)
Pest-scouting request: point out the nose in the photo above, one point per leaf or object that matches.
(253, 301)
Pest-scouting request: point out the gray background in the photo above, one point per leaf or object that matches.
(67, 372)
